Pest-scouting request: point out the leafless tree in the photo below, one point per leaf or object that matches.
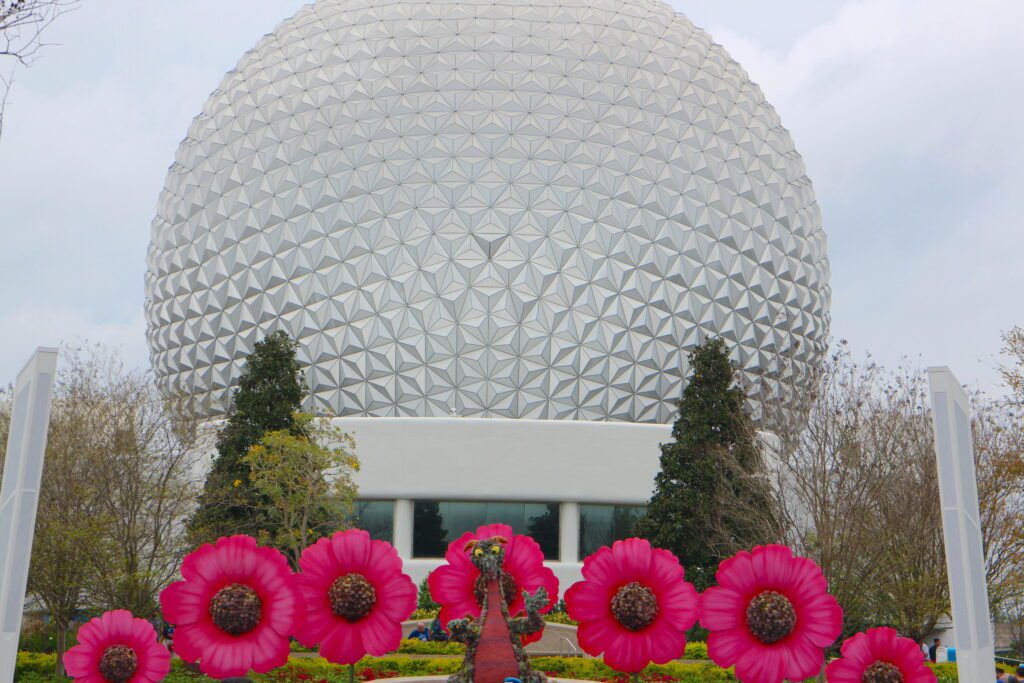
(22, 23)
(146, 485)
(740, 502)
(1013, 374)
(856, 491)
(118, 485)
(998, 430)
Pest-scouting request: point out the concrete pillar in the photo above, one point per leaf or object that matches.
(403, 528)
(569, 532)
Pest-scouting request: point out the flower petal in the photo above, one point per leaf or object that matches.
(191, 640)
(589, 600)
(80, 661)
(227, 658)
(351, 550)
(201, 565)
(597, 636)
(235, 556)
(726, 647)
(761, 665)
(315, 627)
(269, 649)
(342, 645)
(184, 602)
(632, 558)
(722, 608)
(397, 598)
(380, 633)
(630, 652)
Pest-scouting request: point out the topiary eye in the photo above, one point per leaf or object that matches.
(479, 552)
(495, 549)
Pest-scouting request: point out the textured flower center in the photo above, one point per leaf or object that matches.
(351, 597)
(635, 606)
(771, 617)
(236, 609)
(509, 589)
(882, 672)
(118, 664)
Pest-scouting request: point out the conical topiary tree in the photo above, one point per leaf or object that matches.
(713, 460)
(269, 394)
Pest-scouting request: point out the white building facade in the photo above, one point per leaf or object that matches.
(573, 486)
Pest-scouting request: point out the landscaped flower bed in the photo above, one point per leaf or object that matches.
(34, 667)
(239, 607)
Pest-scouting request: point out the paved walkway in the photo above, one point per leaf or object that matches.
(557, 639)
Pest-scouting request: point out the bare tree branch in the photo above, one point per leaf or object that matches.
(22, 23)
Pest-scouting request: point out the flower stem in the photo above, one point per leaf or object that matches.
(351, 673)
(635, 677)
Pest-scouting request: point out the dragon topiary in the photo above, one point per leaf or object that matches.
(494, 651)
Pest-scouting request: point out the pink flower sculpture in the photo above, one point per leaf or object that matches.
(770, 616)
(880, 656)
(453, 585)
(633, 605)
(117, 648)
(356, 597)
(236, 608)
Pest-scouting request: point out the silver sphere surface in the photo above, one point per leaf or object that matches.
(521, 208)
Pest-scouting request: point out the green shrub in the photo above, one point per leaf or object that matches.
(559, 618)
(425, 614)
(42, 638)
(597, 670)
(423, 600)
(696, 651)
(32, 677)
(41, 663)
(419, 647)
(315, 670)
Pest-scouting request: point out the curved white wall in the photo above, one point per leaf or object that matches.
(453, 458)
(450, 458)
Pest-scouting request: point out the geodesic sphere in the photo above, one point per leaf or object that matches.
(524, 208)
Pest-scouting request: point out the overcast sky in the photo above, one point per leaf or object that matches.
(909, 114)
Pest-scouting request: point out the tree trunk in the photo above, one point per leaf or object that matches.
(62, 632)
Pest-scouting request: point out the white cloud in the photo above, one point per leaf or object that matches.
(907, 113)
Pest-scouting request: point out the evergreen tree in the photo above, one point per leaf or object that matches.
(713, 459)
(424, 601)
(269, 395)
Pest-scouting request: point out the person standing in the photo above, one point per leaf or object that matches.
(933, 651)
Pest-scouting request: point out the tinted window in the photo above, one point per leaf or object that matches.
(376, 517)
(438, 523)
(604, 524)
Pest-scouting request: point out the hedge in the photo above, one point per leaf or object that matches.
(560, 618)
(425, 614)
(436, 647)
(34, 667)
